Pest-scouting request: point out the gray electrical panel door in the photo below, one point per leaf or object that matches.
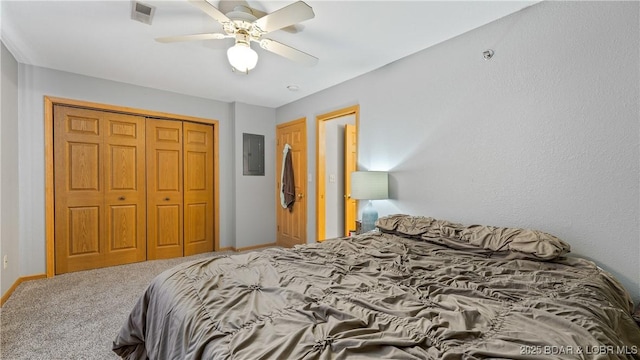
(253, 154)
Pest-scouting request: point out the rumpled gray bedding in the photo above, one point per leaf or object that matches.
(402, 293)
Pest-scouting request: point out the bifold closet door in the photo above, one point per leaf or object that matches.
(164, 189)
(100, 207)
(198, 188)
(180, 218)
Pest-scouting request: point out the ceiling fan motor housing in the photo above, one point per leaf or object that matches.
(243, 37)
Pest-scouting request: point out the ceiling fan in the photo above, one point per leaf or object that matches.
(242, 25)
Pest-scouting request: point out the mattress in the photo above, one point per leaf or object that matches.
(418, 289)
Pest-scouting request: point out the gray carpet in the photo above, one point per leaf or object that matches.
(76, 315)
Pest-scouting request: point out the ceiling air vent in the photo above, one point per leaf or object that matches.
(142, 12)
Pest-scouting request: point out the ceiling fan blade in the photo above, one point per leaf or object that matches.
(288, 52)
(170, 39)
(288, 15)
(293, 29)
(211, 11)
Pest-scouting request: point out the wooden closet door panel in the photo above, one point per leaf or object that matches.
(164, 189)
(100, 210)
(125, 189)
(79, 189)
(198, 188)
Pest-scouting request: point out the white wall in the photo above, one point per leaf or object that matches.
(545, 135)
(36, 82)
(255, 195)
(9, 182)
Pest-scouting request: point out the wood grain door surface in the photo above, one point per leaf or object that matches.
(127, 188)
(100, 213)
(198, 188)
(291, 224)
(350, 165)
(164, 182)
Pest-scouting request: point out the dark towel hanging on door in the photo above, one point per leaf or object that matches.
(287, 182)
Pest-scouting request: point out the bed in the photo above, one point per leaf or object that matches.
(419, 288)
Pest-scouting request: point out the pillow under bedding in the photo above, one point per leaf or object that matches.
(507, 242)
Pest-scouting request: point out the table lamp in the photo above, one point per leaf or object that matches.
(369, 185)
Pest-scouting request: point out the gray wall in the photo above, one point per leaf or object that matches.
(36, 82)
(255, 196)
(9, 181)
(545, 135)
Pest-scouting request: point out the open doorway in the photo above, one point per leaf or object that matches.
(336, 158)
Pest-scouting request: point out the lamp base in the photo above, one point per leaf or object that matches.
(369, 217)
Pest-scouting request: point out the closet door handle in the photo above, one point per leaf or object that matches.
(166, 199)
(121, 198)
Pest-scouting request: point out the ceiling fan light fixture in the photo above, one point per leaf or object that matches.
(243, 24)
(242, 57)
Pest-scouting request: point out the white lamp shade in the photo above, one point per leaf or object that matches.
(242, 57)
(369, 185)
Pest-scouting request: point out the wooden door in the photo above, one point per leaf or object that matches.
(198, 188)
(164, 189)
(99, 189)
(125, 189)
(350, 165)
(291, 226)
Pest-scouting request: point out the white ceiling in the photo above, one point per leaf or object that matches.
(99, 39)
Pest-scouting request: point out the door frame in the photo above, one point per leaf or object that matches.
(49, 199)
(321, 139)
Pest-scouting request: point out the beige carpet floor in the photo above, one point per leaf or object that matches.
(76, 315)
